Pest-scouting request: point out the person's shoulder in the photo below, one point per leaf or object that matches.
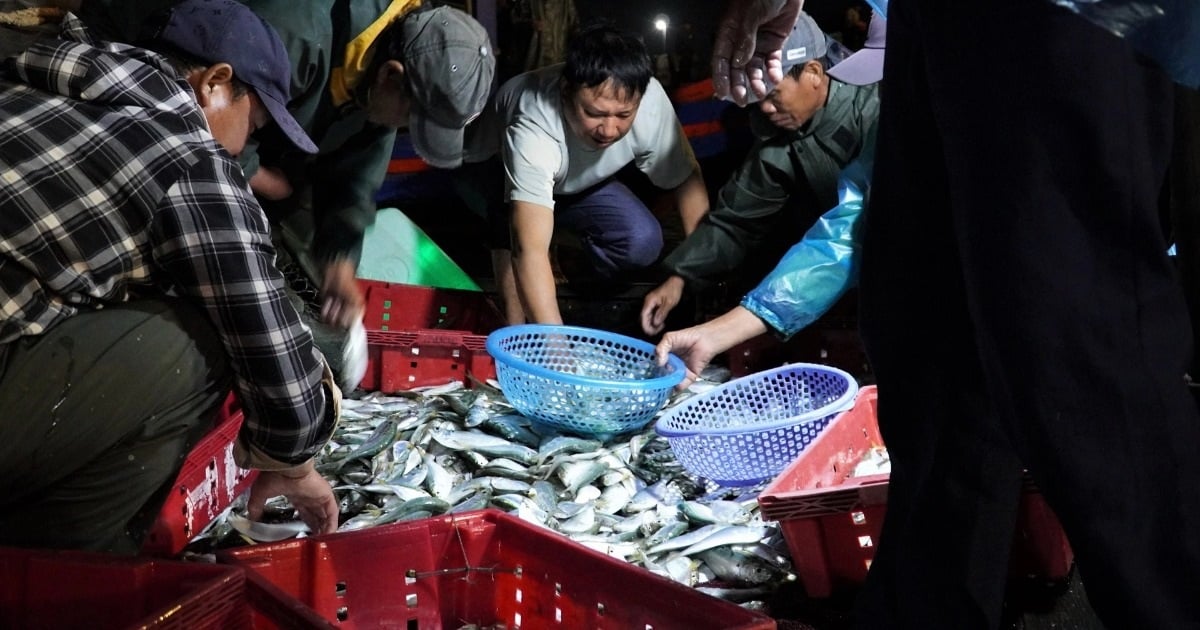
(534, 88)
(655, 93)
(297, 20)
(850, 91)
(532, 98)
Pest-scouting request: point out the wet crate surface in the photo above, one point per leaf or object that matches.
(206, 485)
(419, 336)
(64, 589)
(831, 520)
(484, 568)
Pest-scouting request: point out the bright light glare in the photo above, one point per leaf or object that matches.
(660, 24)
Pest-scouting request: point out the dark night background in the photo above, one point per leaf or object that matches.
(638, 16)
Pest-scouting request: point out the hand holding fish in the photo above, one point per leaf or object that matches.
(342, 302)
(307, 491)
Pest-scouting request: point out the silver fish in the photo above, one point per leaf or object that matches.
(727, 535)
(266, 532)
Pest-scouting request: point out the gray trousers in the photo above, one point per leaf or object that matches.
(96, 418)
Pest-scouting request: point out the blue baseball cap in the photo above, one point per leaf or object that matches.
(228, 31)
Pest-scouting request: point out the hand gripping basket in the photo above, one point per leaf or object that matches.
(749, 429)
(582, 380)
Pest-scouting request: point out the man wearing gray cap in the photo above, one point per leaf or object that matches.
(817, 270)
(360, 70)
(137, 283)
(808, 128)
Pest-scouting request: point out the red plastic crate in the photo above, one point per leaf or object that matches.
(69, 589)
(419, 336)
(399, 361)
(206, 485)
(831, 520)
(392, 306)
(481, 568)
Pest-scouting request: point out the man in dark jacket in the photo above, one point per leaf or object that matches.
(809, 128)
(360, 70)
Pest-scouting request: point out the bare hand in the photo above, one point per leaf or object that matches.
(308, 493)
(690, 344)
(746, 50)
(659, 303)
(270, 183)
(341, 298)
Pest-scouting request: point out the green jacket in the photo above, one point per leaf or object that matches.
(781, 164)
(345, 176)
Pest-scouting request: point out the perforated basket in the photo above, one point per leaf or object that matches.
(749, 429)
(582, 380)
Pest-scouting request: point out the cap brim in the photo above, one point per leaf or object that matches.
(287, 124)
(862, 68)
(439, 146)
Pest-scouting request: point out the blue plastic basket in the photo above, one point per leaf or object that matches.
(582, 380)
(749, 429)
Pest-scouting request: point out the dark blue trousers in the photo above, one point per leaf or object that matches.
(1019, 310)
(618, 232)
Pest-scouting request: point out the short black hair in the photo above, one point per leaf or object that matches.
(599, 52)
(798, 69)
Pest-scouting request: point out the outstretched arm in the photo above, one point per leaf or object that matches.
(532, 229)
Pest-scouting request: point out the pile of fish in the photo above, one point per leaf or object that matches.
(453, 449)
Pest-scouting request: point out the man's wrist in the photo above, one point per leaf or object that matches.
(299, 472)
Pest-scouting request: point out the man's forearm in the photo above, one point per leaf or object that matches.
(732, 328)
(691, 197)
(535, 285)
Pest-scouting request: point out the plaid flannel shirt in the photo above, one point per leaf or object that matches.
(111, 183)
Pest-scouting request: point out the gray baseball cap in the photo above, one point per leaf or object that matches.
(806, 42)
(449, 61)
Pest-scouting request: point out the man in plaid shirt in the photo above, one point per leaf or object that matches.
(137, 281)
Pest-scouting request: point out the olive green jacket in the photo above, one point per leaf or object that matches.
(780, 165)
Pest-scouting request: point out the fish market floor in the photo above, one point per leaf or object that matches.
(1031, 605)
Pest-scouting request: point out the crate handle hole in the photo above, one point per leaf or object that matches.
(411, 600)
(339, 589)
(865, 542)
(343, 613)
(858, 518)
(600, 608)
(412, 625)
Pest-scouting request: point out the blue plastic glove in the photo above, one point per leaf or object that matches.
(818, 270)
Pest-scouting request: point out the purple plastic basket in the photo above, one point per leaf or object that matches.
(749, 429)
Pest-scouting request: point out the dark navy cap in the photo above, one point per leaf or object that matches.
(228, 31)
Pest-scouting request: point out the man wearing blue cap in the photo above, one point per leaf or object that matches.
(810, 126)
(137, 280)
(360, 70)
